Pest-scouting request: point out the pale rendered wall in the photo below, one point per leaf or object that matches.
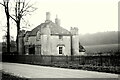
(75, 44)
(55, 41)
(45, 45)
(32, 40)
(45, 41)
(49, 44)
(21, 45)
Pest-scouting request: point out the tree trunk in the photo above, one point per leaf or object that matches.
(18, 31)
(8, 34)
(8, 26)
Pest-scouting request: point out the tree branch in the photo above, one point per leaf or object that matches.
(13, 18)
(2, 4)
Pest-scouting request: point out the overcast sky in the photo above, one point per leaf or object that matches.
(90, 16)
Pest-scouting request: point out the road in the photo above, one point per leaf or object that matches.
(33, 71)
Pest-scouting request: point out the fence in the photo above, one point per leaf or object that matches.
(98, 63)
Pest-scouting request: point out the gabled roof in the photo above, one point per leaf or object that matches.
(54, 28)
(28, 33)
(36, 29)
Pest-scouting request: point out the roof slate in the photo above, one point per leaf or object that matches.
(54, 28)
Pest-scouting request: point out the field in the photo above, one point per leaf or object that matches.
(102, 48)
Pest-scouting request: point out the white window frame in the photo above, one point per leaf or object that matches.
(63, 48)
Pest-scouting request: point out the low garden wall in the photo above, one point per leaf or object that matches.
(95, 63)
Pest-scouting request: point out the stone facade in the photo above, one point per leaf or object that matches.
(49, 38)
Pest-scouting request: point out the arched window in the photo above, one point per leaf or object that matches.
(61, 49)
(38, 37)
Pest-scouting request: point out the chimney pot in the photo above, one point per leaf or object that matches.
(57, 21)
(47, 15)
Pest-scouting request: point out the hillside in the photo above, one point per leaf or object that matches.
(99, 38)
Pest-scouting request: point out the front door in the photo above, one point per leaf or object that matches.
(32, 50)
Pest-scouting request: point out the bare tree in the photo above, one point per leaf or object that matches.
(22, 8)
(5, 4)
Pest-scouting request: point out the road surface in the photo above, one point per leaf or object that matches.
(33, 71)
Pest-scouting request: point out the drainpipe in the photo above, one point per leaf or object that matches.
(71, 47)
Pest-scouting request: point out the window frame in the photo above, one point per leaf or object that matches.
(61, 50)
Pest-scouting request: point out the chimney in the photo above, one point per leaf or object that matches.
(57, 21)
(47, 16)
(74, 30)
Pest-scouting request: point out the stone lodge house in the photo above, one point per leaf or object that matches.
(50, 38)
